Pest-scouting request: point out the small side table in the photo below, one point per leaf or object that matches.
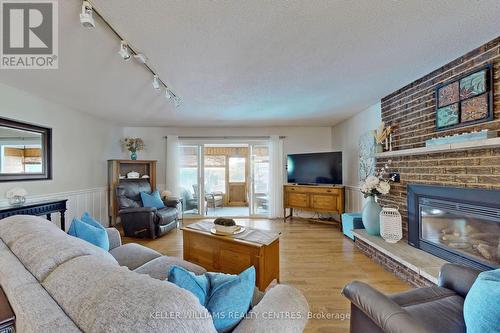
(7, 317)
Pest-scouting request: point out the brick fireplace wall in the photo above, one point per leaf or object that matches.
(411, 110)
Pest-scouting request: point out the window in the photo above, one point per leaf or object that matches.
(215, 173)
(237, 167)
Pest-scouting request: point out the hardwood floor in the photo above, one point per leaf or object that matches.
(315, 258)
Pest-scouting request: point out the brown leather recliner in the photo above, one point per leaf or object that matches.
(139, 221)
(437, 309)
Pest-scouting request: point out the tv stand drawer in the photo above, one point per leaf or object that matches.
(298, 200)
(313, 189)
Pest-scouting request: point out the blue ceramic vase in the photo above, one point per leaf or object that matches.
(133, 156)
(371, 216)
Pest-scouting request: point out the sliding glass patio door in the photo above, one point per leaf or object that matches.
(190, 167)
(216, 182)
(259, 179)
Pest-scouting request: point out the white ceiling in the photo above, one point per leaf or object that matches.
(254, 63)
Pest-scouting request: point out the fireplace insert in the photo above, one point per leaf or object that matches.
(457, 224)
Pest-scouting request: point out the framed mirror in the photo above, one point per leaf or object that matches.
(25, 151)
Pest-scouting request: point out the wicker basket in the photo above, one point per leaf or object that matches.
(391, 228)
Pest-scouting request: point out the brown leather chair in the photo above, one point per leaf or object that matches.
(139, 221)
(437, 309)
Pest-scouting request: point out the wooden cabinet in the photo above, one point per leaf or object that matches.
(323, 199)
(117, 172)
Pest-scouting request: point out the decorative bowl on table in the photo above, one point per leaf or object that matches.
(225, 226)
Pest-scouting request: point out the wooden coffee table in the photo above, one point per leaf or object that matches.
(231, 255)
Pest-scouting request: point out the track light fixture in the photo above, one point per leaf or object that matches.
(177, 101)
(156, 82)
(140, 58)
(86, 16)
(168, 94)
(124, 51)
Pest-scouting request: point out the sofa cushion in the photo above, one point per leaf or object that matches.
(41, 246)
(158, 268)
(133, 255)
(35, 310)
(109, 298)
(289, 308)
(438, 309)
(482, 303)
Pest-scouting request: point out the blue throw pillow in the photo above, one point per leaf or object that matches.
(89, 230)
(87, 219)
(482, 304)
(91, 221)
(152, 200)
(197, 284)
(227, 297)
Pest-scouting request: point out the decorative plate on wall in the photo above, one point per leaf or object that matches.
(466, 100)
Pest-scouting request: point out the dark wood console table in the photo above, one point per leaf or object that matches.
(37, 208)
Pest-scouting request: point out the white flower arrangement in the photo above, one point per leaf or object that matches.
(376, 185)
(16, 195)
(16, 192)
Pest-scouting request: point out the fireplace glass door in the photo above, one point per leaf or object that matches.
(473, 233)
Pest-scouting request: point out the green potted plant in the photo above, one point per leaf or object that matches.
(224, 225)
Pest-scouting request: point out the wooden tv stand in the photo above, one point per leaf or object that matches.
(315, 198)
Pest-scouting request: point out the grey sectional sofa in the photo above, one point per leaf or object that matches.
(58, 283)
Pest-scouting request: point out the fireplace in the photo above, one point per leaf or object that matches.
(457, 224)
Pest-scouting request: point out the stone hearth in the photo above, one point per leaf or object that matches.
(410, 264)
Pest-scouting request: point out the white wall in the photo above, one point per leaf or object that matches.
(298, 139)
(345, 137)
(81, 145)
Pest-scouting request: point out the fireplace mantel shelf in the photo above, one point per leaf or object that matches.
(445, 148)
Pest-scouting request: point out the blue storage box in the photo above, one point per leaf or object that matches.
(351, 221)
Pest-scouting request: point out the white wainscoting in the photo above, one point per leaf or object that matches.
(353, 199)
(94, 201)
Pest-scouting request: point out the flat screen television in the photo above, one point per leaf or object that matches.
(315, 168)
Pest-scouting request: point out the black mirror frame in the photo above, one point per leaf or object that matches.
(46, 133)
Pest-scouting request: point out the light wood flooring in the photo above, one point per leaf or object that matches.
(315, 258)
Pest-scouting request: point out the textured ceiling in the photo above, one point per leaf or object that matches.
(254, 63)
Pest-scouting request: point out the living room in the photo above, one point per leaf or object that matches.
(250, 166)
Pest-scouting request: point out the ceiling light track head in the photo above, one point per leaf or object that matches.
(156, 82)
(87, 16)
(177, 101)
(141, 58)
(124, 51)
(168, 93)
